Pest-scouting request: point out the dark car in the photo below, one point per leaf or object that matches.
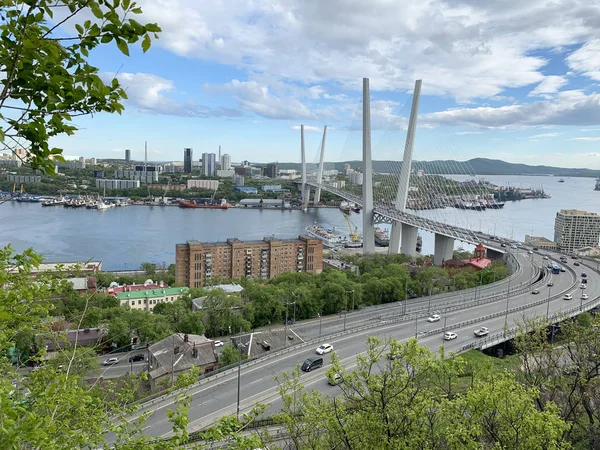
(312, 363)
(583, 275)
(138, 357)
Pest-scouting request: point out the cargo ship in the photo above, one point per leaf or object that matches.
(328, 236)
(208, 205)
(381, 237)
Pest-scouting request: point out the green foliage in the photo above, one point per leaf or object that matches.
(48, 79)
(230, 356)
(411, 401)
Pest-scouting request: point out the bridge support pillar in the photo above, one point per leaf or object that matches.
(395, 239)
(444, 249)
(368, 229)
(403, 239)
(304, 187)
(409, 240)
(320, 171)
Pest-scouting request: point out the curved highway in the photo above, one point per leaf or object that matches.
(216, 396)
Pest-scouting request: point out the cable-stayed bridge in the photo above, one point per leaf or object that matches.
(391, 205)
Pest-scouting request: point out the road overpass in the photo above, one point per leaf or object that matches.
(215, 396)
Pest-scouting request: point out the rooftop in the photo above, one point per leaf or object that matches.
(576, 212)
(174, 351)
(227, 288)
(150, 293)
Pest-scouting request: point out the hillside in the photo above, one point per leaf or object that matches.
(479, 166)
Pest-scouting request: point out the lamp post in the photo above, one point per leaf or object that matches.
(239, 372)
(581, 302)
(320, 320)
(548, 306)
(444, 331)
(287, 304)
(416, 333)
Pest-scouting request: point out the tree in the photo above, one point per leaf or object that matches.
(149, 268)
(230, 355)
(403, 396)
(47, 78)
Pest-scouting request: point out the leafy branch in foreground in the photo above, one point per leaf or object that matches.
(47, 79)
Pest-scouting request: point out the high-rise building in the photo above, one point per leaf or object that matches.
(127, 155)
(209, 164)
(574, 230)
(188, 154)
(346, 169)
(271, 171)
(81, 162)
(197, 262)
(356, 178)
(238, 180)
(225, 161)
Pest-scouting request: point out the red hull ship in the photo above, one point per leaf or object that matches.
(194, 204)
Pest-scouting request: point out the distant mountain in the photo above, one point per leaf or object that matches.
(479, 166)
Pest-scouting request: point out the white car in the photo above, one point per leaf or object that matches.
(449, 335)
(325, 348)
(483, 331)
(545, 257)
(434, 318)
(584, 296)
(568, 297)
(530, 252)
(110, 361)
(583, 286)
(219, 343)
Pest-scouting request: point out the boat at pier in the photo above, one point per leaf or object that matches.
(58, 201)
(382, 238)
(561, 181)
(208, 205)
(356, 209)
(328, 236)
(345, 208)
(597, 188)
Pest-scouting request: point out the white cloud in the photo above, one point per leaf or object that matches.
(463, 133)
(543, 135)
(461, 48)
(568, 108)
(257, 98)
(550, 85)
(149, 93)
(586, 139)
(586, 59)
(307, 128)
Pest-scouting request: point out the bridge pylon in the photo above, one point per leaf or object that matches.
(305, 189)
(317, 197)
(367, 189)
(403, 238)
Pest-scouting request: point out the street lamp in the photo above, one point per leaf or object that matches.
(582, 287)
(287, 304)
(548, 307)
(444, 331)
(320, 320)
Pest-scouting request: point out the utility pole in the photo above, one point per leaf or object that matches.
(444, 333)
(287, 304)
(320, 321)
(239, 372)
(416, 333)
(548, 306)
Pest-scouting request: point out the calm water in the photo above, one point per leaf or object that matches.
(125, 237)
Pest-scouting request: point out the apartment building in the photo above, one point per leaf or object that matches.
(149, 298)
(575, 229)
(197, 261)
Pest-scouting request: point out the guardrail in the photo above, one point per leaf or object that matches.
(161, 396)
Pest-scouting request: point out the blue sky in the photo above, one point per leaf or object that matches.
(518, 84)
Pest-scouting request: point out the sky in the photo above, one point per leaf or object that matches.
(510, 80)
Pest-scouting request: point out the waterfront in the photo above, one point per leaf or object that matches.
(125, 237)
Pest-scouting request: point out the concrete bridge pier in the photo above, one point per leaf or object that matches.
(409, 240)
(443, 250)
(403, 239)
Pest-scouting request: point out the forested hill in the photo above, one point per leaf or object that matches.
(479, 166)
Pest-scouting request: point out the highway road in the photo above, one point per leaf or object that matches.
(216, 396)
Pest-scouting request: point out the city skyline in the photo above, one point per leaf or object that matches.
(496, 84)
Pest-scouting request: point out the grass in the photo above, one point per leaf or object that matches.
(479, 361)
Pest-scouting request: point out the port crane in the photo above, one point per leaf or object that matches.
(352, 229)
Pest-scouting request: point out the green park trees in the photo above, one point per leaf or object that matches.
(403, 396)
(47, 79)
